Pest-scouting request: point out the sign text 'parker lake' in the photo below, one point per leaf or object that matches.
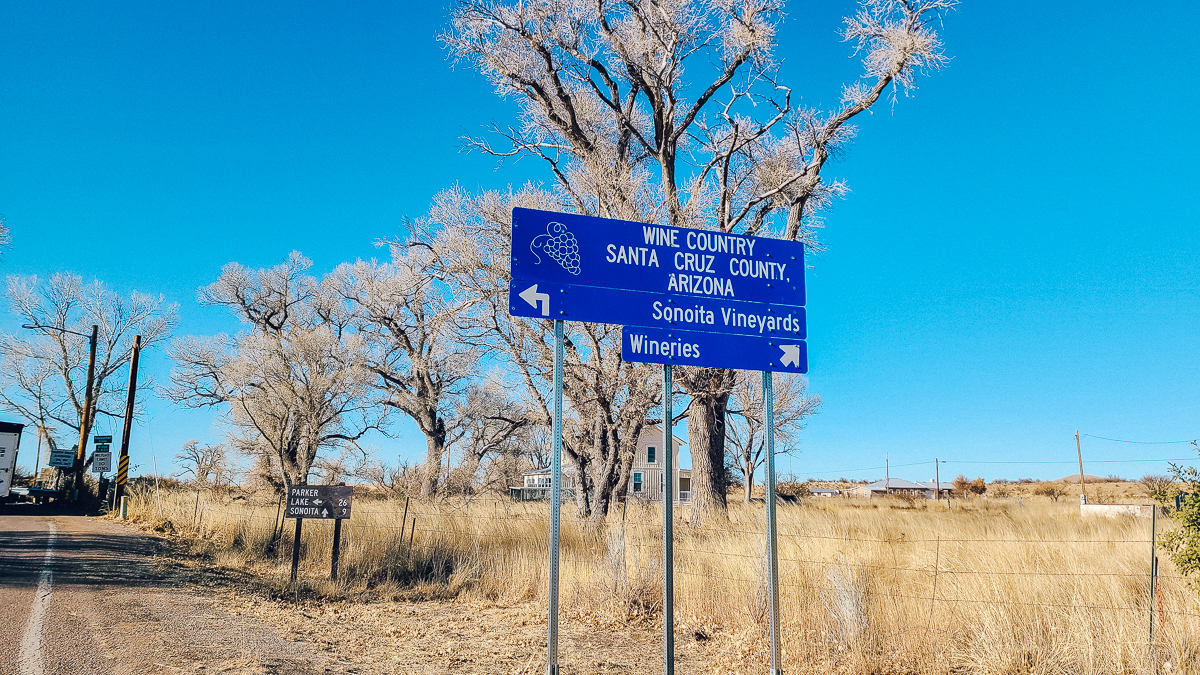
(320, 501)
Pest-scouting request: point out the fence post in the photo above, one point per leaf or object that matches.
(411, 534)
(404, 518)
(276, 525)
(1153, 584)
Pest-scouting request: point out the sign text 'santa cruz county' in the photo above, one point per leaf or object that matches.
(565, 248)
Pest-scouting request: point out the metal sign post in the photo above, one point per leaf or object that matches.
(555, 503)
(772, 538)
(668, 525)
(684, 297)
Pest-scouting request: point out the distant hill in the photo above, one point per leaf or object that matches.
(1087, 478)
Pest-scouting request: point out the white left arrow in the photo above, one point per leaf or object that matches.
(791, 354)
(531, 296)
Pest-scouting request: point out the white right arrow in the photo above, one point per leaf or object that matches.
(531, 296)
(791, 354)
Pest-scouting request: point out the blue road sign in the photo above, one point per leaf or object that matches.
(571, 302)
(714, 350)
(564, 248)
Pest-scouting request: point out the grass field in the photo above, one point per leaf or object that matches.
(867, 586)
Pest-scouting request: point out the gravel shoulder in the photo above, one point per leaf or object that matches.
(120, 601)
(127, 601)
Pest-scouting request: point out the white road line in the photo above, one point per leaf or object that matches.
(29, 662)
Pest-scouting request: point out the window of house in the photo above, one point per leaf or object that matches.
(637, 482)
(650, 455)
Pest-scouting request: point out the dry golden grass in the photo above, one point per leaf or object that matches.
(991, 586)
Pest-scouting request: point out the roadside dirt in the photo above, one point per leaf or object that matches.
(113, 600)
(425, 637)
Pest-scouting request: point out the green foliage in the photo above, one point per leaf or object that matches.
(1184, 543)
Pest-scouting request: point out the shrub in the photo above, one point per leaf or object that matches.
(1162, 489)
(1051, 490)
(1184, 543)
(964, 486)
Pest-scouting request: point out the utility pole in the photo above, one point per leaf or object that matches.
(37, 459)
(937, 477)
(1079, 449)
(123, 461)
(887, 474)
(85, 420)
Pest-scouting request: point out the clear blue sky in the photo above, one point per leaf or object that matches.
(1016, 260)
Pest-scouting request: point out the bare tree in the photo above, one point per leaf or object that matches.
(672, 112)
(1160, 487)
(490, 420)
(209, 465)
(296, 383)
(43, 372)
(1054, 490)
(746, 441)
(406, 315)
(609, 399)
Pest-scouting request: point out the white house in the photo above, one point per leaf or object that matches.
(899, 486)
(645, 479)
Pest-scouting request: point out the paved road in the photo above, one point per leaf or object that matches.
(82, 597)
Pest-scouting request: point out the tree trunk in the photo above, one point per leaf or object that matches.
(435, 445)
(706, 435)
(748, 469)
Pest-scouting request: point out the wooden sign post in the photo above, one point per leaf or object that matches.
(326, 502)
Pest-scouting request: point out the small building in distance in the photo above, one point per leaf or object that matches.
(899, 486)
(645, 477)
(825, 492)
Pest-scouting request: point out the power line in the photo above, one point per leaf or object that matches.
(869, 468)
(1090, 461)
(1120, 440)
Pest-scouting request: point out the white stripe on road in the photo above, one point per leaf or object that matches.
(29, 662)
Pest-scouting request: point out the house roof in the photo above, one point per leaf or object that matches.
(900, 484)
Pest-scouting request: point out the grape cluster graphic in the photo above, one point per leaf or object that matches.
(559, 244)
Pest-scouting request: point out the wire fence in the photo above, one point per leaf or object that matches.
(1098, 574)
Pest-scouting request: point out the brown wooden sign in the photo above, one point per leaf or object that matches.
(320, 501)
